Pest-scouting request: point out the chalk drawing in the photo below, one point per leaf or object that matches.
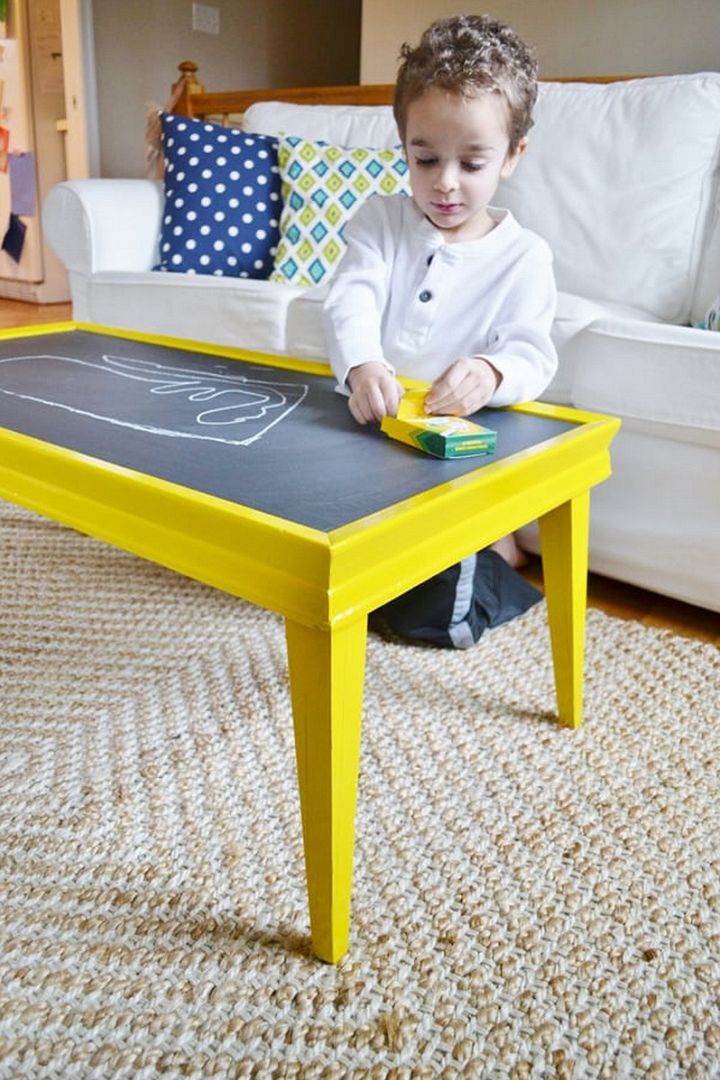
(237, 409)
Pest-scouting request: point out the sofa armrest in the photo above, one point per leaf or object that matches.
(97, 225)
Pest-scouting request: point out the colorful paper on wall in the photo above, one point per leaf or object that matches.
(4, 146)
(14, 239)
(22, 183)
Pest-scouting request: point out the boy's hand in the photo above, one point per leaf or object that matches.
(375, 392)
(465, 387)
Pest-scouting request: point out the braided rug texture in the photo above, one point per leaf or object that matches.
(529, 902)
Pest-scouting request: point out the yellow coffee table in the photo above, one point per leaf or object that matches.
(246, 472)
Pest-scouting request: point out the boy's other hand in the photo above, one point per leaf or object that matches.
(375, 392)
(465, 387)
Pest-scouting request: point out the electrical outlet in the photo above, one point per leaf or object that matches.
(206, 18)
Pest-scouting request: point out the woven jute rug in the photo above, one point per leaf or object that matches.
(529, 902)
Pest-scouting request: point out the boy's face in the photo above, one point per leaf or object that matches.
(458, 152)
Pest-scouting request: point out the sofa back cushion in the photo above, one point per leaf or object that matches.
(340, 125)
(621, 180)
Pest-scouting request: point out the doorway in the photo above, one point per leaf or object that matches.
(82, 153)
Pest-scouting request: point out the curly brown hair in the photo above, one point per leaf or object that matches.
(467, 53)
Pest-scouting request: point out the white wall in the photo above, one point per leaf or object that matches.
(572, 37)
(139, 43)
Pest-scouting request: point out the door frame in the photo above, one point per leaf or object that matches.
(82, 142)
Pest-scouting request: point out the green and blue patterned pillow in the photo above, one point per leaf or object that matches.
(322, 187)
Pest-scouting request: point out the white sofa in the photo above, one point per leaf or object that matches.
(622, 180)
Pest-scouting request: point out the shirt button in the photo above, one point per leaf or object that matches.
(424, 296)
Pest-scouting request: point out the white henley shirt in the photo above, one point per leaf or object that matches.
(404, 297)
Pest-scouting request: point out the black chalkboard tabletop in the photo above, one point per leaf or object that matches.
(270, 438)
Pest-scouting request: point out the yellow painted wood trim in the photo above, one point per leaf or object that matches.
(560, 412)
(229, 352)
(267, 560)
(281, 360)
(399, 548)
(590, 426)
(327, 673)
(564, 545)
(37, 330)
(251, 356)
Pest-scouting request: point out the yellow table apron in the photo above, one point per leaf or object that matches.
(324, 583)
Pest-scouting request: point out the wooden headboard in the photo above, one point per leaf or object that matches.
(189, 97)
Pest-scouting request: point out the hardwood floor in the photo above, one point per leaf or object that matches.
(613, 597)
(19, 313)
(629, 602)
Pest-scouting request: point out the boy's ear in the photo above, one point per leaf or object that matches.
(512, 159)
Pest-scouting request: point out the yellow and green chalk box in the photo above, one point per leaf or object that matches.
(441, 436)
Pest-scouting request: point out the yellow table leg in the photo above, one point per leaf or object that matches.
(564, 542)
(327, 672)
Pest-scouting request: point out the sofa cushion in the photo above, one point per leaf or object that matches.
(248, 315)
(657, 378)
(573, 316)
(621, 180)
(222, 200)
(305, 333)
(654, 522)
(322, 187)
(342, 125)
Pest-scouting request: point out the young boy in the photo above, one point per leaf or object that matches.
(444, 287)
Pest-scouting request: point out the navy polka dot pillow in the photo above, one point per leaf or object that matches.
(222, 200)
